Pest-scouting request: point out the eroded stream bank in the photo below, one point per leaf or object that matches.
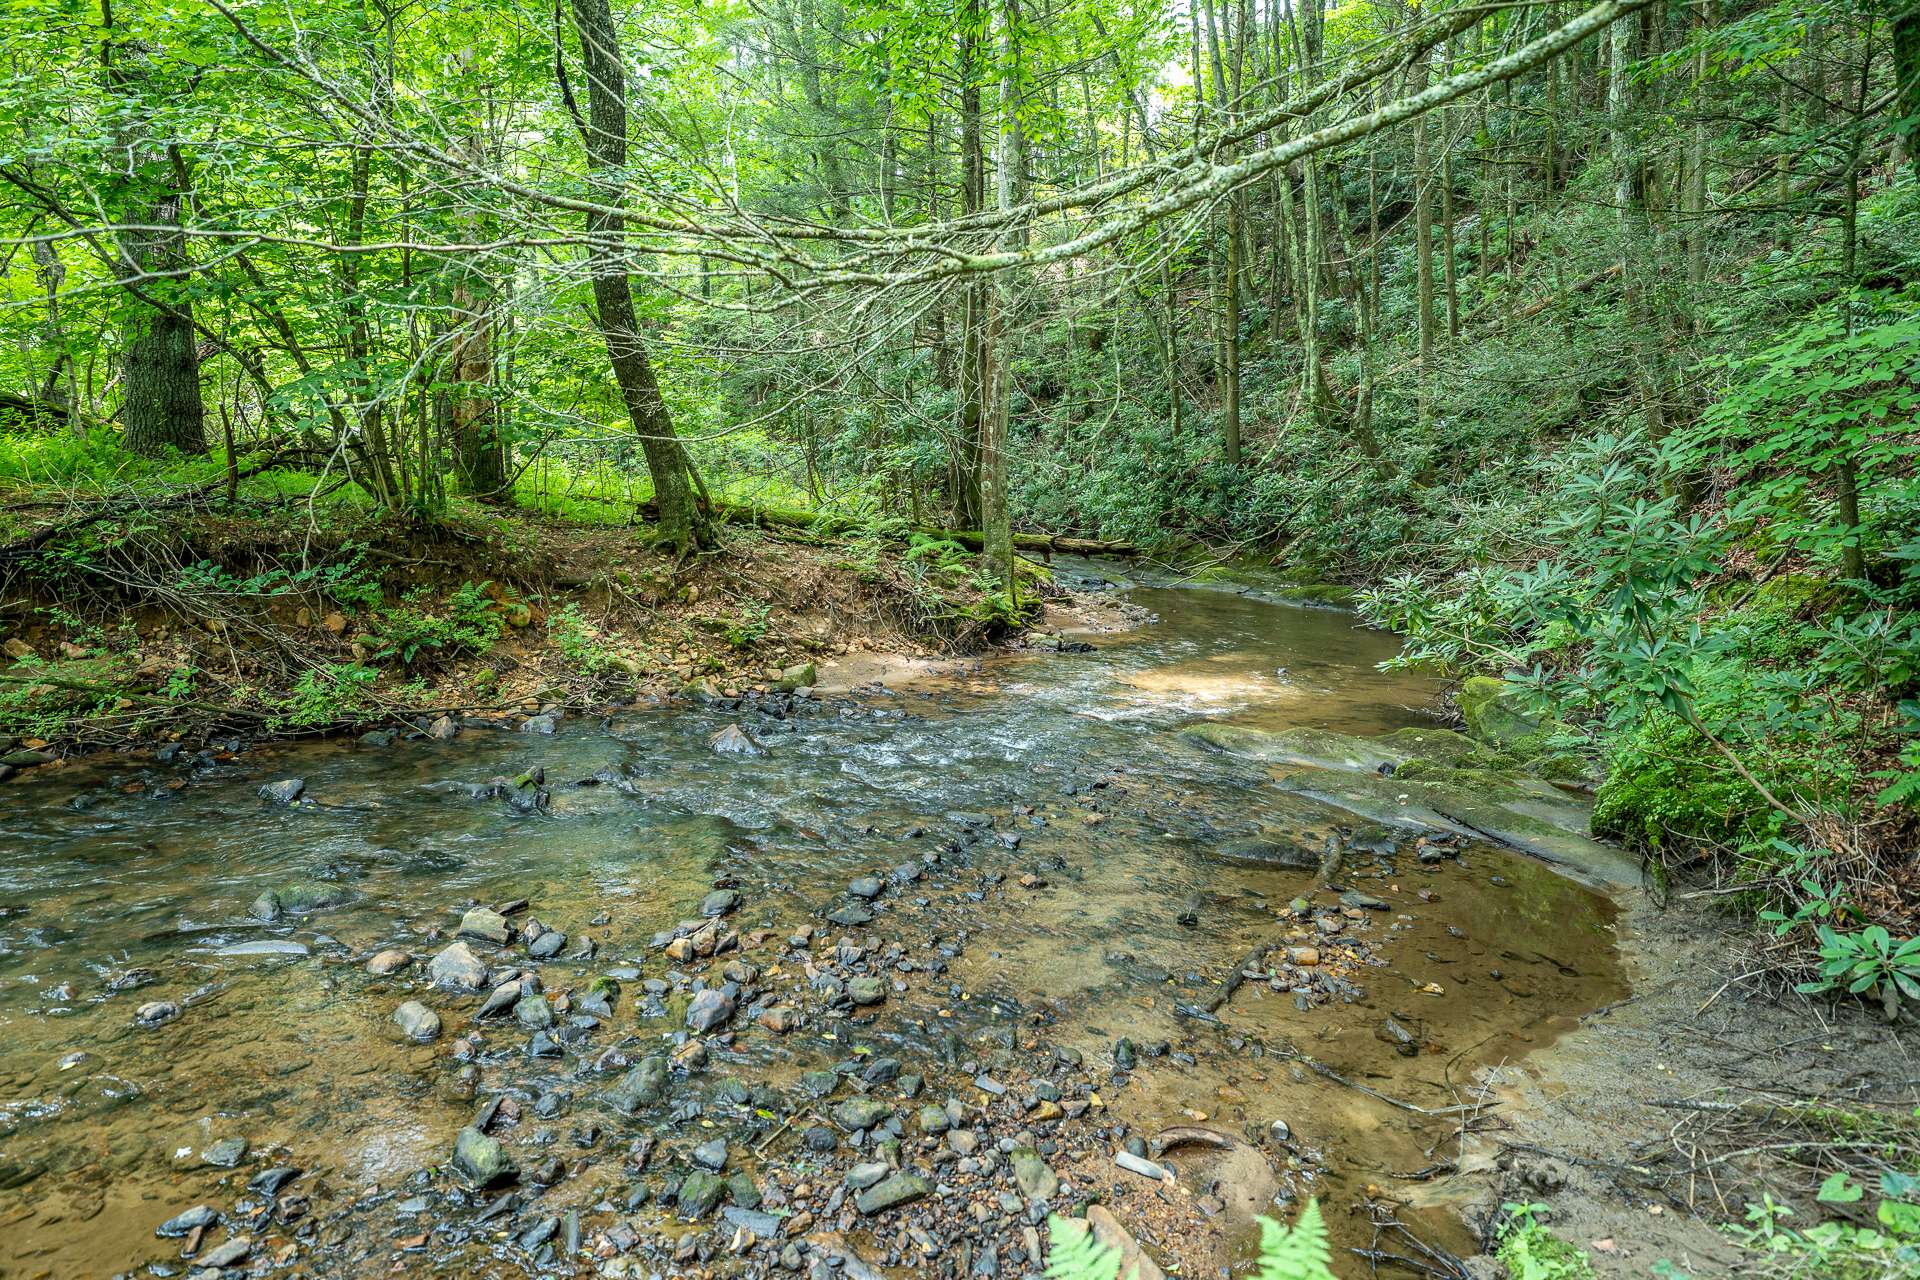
(920, 966)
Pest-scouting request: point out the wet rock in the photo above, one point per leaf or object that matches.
(866, 990)
(285, 791)
(719, 902)
(700, 1192)
(155, 1012)
(299, 899)
(1123, 1054)
(481, 1160)
(534, 1012)
(1497, 712)
(866, 887)
(1396, 1033)
(457, 969)
(268, 1182)
(860, 1113)
(709, 1009)
(862, 1176)
(763, 1225)
(1262, 852)
(227, 1153)
(198, 1218)
(901, 1188)
(547, 945)
(644, 1084)
(225, 1255)
(933, 1119)
(1363, 901)
(735, 741)
(1036, 1180)
(819, 1139)
(377, 738)
(500, 1000)
(390, 961)
(485, 924)
(779, 1019)
(851, 916)
(711, 1156)
(264, 947)
(818, 1084)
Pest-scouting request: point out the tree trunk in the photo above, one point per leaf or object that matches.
(1630, 200)
(605, 133)
(1905, 29)
(479, 454)
(161, 407)
(1423, 245)
(996, 524)
(973, 299)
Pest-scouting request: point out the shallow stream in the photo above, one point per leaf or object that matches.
(127, 881)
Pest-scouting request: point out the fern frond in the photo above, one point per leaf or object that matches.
(1076, 1255)
(1299, 1252)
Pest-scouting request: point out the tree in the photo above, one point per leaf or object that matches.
(604, 131)
(161, 408)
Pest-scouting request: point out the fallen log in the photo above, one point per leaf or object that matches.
(828, 523)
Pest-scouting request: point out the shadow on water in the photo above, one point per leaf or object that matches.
(126, 881)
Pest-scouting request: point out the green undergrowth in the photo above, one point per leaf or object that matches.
(1724, 615)
(1298, 1252)
(1529, 1249)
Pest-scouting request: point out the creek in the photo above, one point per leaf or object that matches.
(1085, 871)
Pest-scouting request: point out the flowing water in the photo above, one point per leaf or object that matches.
(124, 881)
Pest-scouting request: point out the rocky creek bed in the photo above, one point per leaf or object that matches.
(849, 983)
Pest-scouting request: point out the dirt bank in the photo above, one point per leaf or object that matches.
(258, 626)
(1661, 1118)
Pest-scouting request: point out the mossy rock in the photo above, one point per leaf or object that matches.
(1463, 776)
(1497, 712)
(303, 897)
(1566, 766)
(1441, 746)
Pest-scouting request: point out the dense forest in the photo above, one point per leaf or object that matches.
(1578, 346)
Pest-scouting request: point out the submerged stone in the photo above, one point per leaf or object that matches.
(457, 969)
(285, 791)
(481, 1160)
(901, 1188)
(644, 1084)
(700, 1192)
(417, 1022)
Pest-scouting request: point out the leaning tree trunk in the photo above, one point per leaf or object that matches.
(605, 134)
(161, 407)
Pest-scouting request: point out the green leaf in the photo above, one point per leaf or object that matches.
(1839, 1188)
